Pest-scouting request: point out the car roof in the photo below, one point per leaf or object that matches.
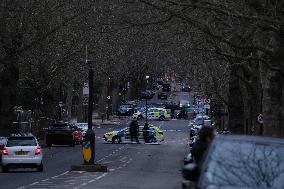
(247, 138)
(20, 137)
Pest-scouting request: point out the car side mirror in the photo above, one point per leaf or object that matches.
(191, 172)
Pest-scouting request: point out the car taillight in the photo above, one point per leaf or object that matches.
(5, 152)
(37, 151)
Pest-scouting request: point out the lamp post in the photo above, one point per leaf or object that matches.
(88, 146)
(147, 77)
(108, 99)
(89, 140)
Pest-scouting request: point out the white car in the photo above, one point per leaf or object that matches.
(22, 152)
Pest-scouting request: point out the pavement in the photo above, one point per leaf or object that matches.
(130, 166)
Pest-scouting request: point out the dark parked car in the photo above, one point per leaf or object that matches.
(235, 161)
(147, 94)
(162, 95)
(166, 87)
(61, 134)
(185, 88)
(126, 109)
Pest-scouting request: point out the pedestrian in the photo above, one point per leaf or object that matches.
(134, 130)
(206, 134)
(146, 133)
(172, 113)
(103, 117)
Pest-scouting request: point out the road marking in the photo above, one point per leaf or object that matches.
(34, 183)
(44, 180)
(90, 181)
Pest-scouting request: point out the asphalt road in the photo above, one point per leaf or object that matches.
(140, 166)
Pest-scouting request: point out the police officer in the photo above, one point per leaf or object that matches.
(134, 130)
(146, 133)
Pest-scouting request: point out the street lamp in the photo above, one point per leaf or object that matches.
(89, 141)
(147, 77)
(108, 99)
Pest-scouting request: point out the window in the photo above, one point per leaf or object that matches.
(21, 141)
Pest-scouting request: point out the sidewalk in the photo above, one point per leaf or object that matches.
(112, 121)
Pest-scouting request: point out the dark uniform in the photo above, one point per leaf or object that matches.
(134, 130)
(146, 133)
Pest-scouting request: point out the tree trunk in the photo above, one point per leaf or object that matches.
(272, 91)
(235, 105)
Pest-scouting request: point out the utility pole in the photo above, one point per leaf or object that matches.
(60, 104)
(147, 77)
(89, 141)
(108, 99)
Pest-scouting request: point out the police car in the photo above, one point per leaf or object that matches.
(155, 135)
(153, 114)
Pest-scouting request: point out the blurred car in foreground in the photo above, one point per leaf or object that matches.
(22, 152)
(235, 161)
(155, 135)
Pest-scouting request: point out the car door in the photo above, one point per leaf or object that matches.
(127, 134)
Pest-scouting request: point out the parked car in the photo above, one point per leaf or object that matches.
(148, 94)
(162, 95)
(61, 134)
(126, 109)
(235, 161)
(22, 152)
(185, 88)
(83, 128)
(153, 114)
(166, 87)
(78, 135)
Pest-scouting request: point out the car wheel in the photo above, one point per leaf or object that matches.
(48, 144)
(116, 139)
(5, 169)
(153, 140)
(72, 144)
(40, 168)
(161, 118)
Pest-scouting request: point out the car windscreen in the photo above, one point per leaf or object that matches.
(59, 127)
(82, 126)
(243, 164)
(21, 141)
(198, 121)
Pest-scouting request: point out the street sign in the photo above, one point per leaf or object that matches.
(207, 101)
(260, 119)
(85, 101)
(207, 106)
(86, 89)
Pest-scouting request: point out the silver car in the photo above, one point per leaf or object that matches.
(22, 152)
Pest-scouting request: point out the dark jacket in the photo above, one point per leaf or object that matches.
(134, 127)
